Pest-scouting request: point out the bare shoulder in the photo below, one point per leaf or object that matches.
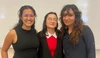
(11, 34)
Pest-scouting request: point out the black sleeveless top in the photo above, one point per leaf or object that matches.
(27, 43)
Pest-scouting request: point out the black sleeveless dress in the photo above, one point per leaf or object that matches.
(27, 43)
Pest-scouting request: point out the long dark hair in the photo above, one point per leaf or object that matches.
(44, 30)
(20, 12)
(78, 24)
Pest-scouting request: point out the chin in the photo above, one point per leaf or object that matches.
(53, 27)
(28, 25)
(68, 24)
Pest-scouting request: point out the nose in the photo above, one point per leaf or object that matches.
(28, 17)
(53, 20)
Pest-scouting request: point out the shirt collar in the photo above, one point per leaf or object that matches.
(48, 35)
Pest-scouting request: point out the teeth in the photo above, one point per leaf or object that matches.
(28, 21)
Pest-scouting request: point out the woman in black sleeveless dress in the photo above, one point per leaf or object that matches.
(23, 36)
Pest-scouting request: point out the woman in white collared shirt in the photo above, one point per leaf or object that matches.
(49, 38)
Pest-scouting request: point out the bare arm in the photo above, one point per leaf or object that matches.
(7, 43)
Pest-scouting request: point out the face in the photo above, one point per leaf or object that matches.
(51, 21)
(69, 18)
(28, 18)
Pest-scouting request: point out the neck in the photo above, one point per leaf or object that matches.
(70, 28)
(26, 28)
(50, 30)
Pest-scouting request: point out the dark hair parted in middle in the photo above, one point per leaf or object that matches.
(77, 23)
(44, 30)
(20, 12)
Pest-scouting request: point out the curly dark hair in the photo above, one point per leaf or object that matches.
(78, 24)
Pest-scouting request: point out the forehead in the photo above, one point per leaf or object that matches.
(68, 11)
(51, 15)
(28, 11)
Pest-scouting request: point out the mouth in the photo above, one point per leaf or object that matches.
(52, 24)
(29, 22)
(67, 21)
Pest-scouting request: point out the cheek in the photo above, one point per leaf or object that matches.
(73, 20)
(47, 23)
(23, 18)
(63, 18)
(55, 23)
(64, 21)
(33, 20)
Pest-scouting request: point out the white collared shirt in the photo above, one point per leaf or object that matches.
(49, 35)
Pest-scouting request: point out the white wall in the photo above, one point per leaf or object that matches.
(9, 10)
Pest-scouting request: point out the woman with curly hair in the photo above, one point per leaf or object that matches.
(78, 39)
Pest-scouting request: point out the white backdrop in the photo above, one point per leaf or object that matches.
(9, 14)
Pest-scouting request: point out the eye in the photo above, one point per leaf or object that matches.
(31, 15)
(49, 19)
(64, 15)
(25, 15)
(55, 19)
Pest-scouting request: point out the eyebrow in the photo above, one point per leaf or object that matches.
(28, 14)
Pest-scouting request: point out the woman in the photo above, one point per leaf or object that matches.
(23, 37)
(49, 38)
(78, 39)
